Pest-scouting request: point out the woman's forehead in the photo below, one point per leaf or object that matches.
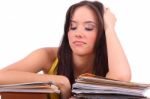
(84, 13)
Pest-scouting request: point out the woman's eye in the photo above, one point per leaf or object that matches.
(89, 29)
(73, 28)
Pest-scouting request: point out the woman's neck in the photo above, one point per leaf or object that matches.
(83, 64)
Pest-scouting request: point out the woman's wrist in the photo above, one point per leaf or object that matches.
(65, 87)
(109, 30)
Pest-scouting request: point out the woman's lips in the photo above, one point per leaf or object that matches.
(79, 43)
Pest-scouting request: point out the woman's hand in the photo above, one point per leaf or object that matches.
(109, 19)
(65, 87)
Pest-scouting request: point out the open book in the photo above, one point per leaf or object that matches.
(33, 87)
(89, 84)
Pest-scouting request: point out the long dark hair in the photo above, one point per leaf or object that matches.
(65, 61)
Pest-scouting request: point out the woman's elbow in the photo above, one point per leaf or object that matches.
(121, 75)
(125, 76)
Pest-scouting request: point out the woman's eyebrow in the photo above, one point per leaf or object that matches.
(84, 22)
(90, 22)
(73, 21)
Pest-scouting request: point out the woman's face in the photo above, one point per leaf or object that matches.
(82, 31)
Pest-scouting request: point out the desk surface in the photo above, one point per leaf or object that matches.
(44, 96)
(23, 96)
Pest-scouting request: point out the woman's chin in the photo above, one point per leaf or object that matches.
(80, 52)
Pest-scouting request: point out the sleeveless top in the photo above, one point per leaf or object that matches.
(53, 71)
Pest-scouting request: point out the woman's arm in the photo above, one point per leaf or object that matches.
(118, 64)
(10, 76)
(26, 70)
(38, 60)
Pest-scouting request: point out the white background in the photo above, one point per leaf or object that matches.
(26, 25)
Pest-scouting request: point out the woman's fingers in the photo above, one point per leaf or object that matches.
(109, 18)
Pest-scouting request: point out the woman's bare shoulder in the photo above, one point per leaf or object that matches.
(52, 51)
(49, 53)
(45, 52)
(37, 60)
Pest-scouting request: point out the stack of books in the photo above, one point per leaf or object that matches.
(86, 86)
(89, 86)
(32, 87)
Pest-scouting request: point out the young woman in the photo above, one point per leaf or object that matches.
(89, 45)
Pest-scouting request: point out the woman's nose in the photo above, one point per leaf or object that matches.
(79, 33)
